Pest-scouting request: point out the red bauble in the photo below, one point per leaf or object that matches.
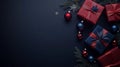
(68, 16)
(79, 35)
(85, 53)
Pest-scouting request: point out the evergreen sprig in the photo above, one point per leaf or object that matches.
(104, 2)
(81, 61)
(117, 35)
(72, 5)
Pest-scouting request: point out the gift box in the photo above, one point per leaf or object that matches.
(113, 12)
(110, 58)
(90, 11)
(99, 39)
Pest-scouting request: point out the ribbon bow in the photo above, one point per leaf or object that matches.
(93, 10)
(99, 38)
(115, 11)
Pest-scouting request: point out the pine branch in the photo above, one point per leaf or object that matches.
(72, 5)
(117, 35)
(118, 38)
(81, 61)
(104, 2)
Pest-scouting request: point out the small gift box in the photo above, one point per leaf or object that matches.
(90, 11)
(99, 39)
(113, 12)
(110, 58)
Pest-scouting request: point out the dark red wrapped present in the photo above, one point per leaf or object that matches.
(90, 11)
(113, 12)
(110, 58)
(99, 39)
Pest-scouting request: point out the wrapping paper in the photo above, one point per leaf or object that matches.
(90, 11)
(113, 12)
(99, 39)
(110, 58)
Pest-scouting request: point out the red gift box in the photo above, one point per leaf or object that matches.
(113, 12)
(110, 58)
(90, 11)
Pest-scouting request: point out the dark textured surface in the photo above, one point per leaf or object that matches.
(33, 36)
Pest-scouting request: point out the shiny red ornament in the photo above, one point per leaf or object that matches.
(68, 16)
(79, 35)
(85, 53)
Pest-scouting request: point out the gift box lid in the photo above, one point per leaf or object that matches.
(113, 12)
(90, 11)
(110, 58)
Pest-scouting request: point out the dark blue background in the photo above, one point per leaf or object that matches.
(33, 36)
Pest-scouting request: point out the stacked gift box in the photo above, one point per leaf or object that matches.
(100, 38)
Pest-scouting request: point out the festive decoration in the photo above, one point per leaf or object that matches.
(79, 35)
(110, 58)
(113, 12)
(94, 9)
(72, 5)
(91, 11)
(104, 2)
(82, 62)
(117, 34)
(115, 28)
(114, 43)
(84, 52)
(118, 38)
(91, 58)
(68, 16)
(99, 39)
(80, 25)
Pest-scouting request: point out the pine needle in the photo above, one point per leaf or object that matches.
(81, 61)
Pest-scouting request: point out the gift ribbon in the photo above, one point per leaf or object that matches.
(88, 8)
(114, 11)
(99, 37)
